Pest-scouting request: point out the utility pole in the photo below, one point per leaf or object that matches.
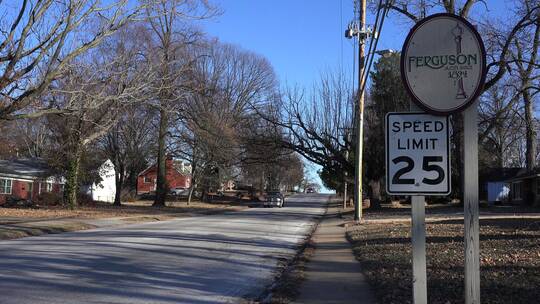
(362, 35)
(359, 31)
(347, 139)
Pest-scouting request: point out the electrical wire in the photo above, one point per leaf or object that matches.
(355, 44)
(368, 68)
(375, 29)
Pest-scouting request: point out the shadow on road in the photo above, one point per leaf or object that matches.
(208, 259)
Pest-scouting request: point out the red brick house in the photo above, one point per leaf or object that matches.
(27, 178)
(178, 176)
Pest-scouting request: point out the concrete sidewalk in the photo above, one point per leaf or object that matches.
(333, 275)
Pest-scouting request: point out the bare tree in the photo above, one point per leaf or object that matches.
(316, 121)
(41, 39)
(129, 145)
(230, 85)
(98, 89)
(525, 54)
(169, 21)
(501, 127)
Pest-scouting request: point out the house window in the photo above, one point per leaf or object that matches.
(147, 180)
(5, 186)
(49, 187)
(61, 187)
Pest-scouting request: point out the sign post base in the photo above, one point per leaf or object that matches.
(418, 232)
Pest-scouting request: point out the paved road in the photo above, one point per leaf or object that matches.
(210, 259)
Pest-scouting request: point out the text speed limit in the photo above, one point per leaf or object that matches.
(417, 154)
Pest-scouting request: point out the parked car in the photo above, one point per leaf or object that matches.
(274, 199)
(310, 190)
(179, 191)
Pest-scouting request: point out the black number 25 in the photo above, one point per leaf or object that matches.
(427, 165)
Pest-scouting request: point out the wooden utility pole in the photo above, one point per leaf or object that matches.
(360, 117)
(345, 176)
(347, 139)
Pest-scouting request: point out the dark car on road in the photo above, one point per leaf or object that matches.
(273, 199)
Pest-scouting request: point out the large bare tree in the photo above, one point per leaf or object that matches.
(39, 39)
(170, 21)
(231, 86)
(95, 91)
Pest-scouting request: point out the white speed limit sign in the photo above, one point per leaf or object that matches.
(417, 154)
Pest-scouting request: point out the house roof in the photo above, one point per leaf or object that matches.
(176, 164)
(25, 168)
(500, 174)
(524, 174)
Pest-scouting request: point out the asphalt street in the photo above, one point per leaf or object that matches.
(209, 259)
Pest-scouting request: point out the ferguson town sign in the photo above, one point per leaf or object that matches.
(443, 63)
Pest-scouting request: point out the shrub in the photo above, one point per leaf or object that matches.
(50, 199)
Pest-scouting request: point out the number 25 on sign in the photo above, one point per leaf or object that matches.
(417, 154)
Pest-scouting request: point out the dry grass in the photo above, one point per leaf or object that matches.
(104, 210)
(509, 253)
(17, 223)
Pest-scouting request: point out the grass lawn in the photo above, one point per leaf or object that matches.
(509, 254)
(106, 210)
(18, 222)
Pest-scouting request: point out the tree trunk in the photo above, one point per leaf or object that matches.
(204, 196)
(375, 186)
(530, 139)
(119, 182)
(190, 195)
(530, 160)
(72, 183)
(161, 182)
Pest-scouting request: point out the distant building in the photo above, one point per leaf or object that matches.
(228, 185)
(105, 190)
(525, 187)
(27, 178)
(178, 176)
(495, 185)
(513, 185)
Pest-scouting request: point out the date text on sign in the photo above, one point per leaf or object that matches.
(417, 154)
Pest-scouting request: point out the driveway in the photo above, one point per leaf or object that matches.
(210, 259)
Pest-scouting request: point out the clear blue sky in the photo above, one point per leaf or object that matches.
(303, 38)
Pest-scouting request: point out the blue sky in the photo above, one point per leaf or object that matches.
(303, 38)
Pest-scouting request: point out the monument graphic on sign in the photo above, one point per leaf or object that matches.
(458, 31)
(443, 64)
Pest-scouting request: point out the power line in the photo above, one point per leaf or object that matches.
(375, 29)
(372, 55)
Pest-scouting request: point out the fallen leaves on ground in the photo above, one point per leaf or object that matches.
(105, 210)
(509, 258)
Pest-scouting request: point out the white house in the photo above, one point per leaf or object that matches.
(105, 190)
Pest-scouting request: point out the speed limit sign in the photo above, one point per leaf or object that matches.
(417, 154)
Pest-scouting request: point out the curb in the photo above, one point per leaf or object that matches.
(267, 294)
